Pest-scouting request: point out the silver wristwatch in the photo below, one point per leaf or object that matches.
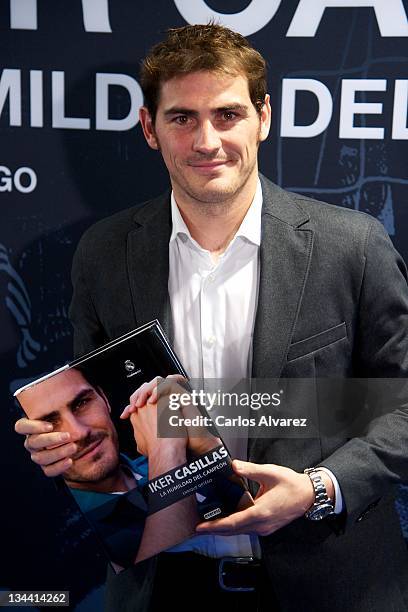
(323, 505)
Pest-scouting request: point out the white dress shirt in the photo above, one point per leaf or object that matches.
(213, 304)
(213, 307)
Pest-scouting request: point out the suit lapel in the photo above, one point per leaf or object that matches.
(285, 255)
(148, 263)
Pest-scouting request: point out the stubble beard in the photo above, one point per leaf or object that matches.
(95, 473)
(212, 203)
(218, 201)
(100, 469)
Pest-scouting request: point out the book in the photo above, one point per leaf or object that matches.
(141, 490)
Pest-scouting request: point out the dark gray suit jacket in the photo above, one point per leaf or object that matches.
(333, 302)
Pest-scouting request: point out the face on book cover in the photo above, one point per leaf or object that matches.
(71, 404)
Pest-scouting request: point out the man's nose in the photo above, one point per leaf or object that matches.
(207, 139)
(75, 427)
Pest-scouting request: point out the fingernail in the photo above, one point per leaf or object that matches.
(48, 427)
(65, 436)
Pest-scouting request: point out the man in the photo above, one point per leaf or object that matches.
(249, 279)
(78, 411)
(101, 480)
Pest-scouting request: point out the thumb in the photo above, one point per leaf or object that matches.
(127, 411)
(262, 473)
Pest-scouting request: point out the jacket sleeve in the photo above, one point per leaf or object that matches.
(88, 330)
(367, 466)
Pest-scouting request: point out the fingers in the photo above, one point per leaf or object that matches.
(31, 426)
(41, 441)
(244, 521)
(141, 395)
(37, 436)
(127, 411)
(259, 472)
(150, 392)
(58, 468)
(166, 386)
(49, 449)
(48, 457)
(260, 491)
(257, 519)
(139, 398)
(152, 399)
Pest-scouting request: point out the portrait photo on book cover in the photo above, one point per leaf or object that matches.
(139, 492)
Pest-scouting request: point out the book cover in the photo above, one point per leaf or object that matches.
(141, 491)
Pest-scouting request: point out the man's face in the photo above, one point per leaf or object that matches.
(208, 132)
(71, 404)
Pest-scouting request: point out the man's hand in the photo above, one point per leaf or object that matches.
(142, 411)
(144, 422)
(200, 439)
(52, 450)
(151, 392)
(284, 496)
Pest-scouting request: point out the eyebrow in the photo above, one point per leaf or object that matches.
(177, 110)
(233, 107)
(52, 416)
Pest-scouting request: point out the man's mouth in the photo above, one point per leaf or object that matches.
(208, 164)
(208, 167)
(88, 449)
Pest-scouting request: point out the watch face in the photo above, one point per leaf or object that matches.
(321, 512)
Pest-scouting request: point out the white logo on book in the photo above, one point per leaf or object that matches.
(131, 368)
(214, 512)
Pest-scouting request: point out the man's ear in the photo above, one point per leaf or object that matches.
(101, 392)
(146, 122)
(265, 117)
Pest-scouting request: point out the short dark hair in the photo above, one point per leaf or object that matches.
(195, 48)
(90, 376)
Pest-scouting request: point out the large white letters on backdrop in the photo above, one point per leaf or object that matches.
(289, 89)
(391, 17)
(349, 108)
(11, 92)
(253, 18)
(103, 82)
(23, 15)
(10, 86)
(7, 179)
(390, 14)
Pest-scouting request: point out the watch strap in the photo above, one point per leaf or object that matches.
(322, 506)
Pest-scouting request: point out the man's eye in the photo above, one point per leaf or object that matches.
(181, 120)
(81, 403)
(228, 115)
